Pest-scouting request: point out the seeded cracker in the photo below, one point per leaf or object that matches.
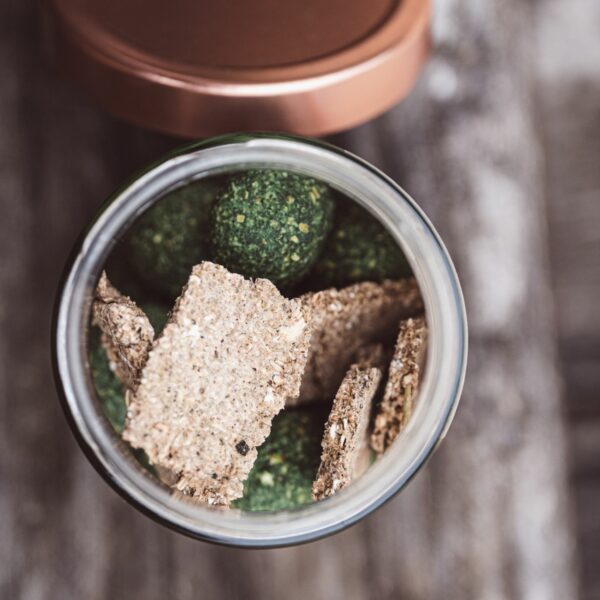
(403, 384)
(231, 354)
(343, 321)
(373, 355)
(127, 334)
(345, 440)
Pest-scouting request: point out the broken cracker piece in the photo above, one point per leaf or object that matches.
(127, 334)
(373, 355)
(345, 320)
(402, 385)
(231, 354)
(345, 440)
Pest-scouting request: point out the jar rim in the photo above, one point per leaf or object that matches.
(440, 389)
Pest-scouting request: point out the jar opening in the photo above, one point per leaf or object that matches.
(443, 303)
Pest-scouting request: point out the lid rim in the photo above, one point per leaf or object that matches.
(246, 89)
(314, 104)
(409, 18)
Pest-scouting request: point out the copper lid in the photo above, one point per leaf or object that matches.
(201, 67)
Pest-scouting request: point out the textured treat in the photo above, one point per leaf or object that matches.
(173, 236)
(345, 440)
(287, 462)
(232, 352)
(127, 334)
(343, 321)
(271, 224)
(402, 385)
(359, 248)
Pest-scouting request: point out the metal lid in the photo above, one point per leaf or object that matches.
(194, 68)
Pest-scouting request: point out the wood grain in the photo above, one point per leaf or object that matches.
(568, 96)
(488, 518)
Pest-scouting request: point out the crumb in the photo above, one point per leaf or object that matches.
(242, 448)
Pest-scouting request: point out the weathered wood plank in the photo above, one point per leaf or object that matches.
(568, 92)
(58, 520)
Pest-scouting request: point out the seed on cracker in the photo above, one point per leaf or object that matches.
(127, 334)
(402, 386)
(345, 440)
(343, 321)
(231, 354)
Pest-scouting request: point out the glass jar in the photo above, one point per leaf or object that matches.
(440, 389)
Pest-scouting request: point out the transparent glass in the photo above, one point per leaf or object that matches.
(446, 360)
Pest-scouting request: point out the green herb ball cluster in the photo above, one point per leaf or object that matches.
(271, 224)
(359, 249)
(108, 387)
(287, 462)
(172, 237)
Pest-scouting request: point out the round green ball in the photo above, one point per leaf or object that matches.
(172, 237)
(271, 224)
(359, 248)
(287, 462)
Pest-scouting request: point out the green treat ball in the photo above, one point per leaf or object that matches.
(287, 462)
(172, 237)
(108, 387)
(271, 224)
(121, 275)
(359, 249)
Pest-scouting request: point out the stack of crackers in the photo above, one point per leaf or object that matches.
(201, 396)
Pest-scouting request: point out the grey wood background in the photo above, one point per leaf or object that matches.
(500, 143)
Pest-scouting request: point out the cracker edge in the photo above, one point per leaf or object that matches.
(402, 387)
(333, 474)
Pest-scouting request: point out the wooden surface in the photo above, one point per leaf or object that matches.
(500, 144)
(567, 44)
